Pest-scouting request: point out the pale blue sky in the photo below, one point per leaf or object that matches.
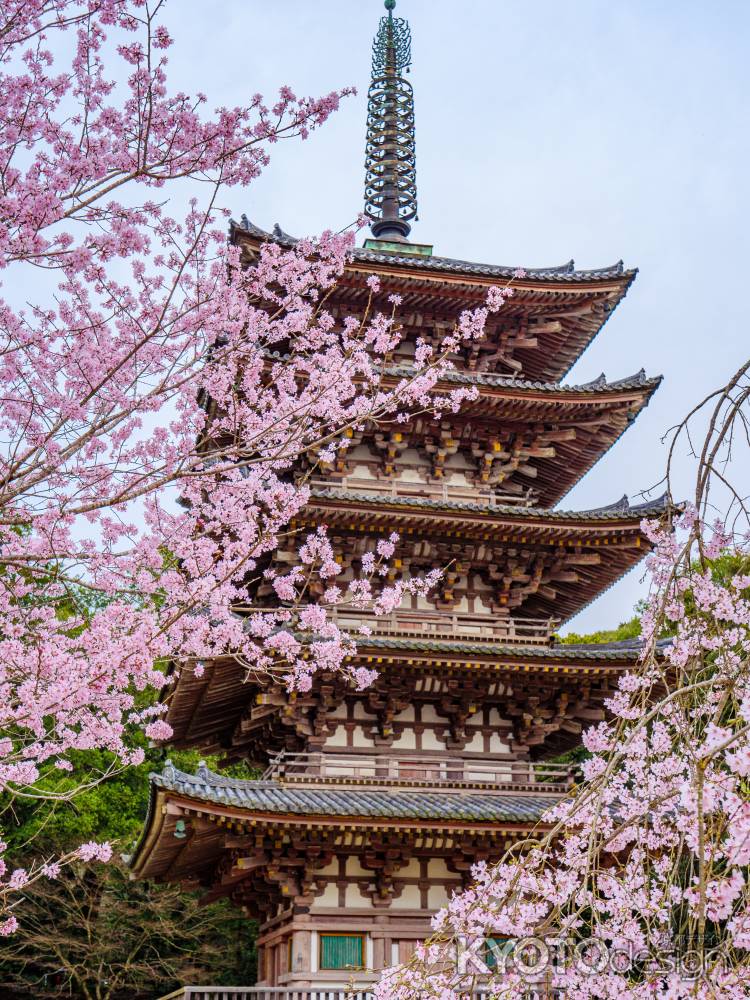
(545, 130)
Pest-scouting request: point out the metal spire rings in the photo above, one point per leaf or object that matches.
(391, 178)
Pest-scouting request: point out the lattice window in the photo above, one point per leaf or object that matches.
(342, 951)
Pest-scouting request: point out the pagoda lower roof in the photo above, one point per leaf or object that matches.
(223, 811)
(271, 798)
(580, 300)
(621, 512)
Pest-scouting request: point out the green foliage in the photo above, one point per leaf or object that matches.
(629, 629)
(85, 933)
(113, 809)
(727, 565)
(94, 933)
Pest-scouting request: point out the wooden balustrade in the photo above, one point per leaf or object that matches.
(426, 491)
(308, 993)
(265, 993)
(435, 771)
(448, 625)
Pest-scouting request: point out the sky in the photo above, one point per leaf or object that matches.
(545, 130)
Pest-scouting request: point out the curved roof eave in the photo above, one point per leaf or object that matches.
(620, 510)
(562, 273)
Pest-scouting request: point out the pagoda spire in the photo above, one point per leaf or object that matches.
(391, 179)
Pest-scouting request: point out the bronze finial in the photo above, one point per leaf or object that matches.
(390, 162)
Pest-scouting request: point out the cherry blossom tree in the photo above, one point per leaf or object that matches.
(157, 396)
(637, 885)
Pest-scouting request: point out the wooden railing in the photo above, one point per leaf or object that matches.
(289, 993)
(426, 491)
(448, 625)
(441, 772)
(265, 993)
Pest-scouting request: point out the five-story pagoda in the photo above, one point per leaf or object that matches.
(374, 805)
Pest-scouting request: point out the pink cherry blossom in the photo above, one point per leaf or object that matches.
(159, 397)
(646, 863)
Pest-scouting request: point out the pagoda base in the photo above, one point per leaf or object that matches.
(294, 949)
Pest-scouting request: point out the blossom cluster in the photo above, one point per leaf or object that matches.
(159, 395)
(648, 858)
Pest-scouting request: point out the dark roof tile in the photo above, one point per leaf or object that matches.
(273, 797)
(622, 652)
(563, 273)
(598, 385)
(612, 512)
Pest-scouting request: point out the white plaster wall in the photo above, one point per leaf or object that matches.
(337, 738)
(457, 461)
(455, 477)
(497, 745)
(412, 870)
(430, 715)
(354, 868)
(407, 740)
(361, 739)
(496, 719)
(437, 896)
(431, 742)
(329, 896)
(409, 475)
(353, 899)
(410, 899)
(362, 472)
(476, 742)
(437, 868)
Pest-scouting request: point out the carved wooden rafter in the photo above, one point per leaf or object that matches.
(497, 453)
(511, 573)
(292, 721)
(340, 464)
(439, 447)
(541, 709)
(279, 872)
(460, 701)
(510, 452)
(386, 701)
(389, 444)
(538, 712)
(385, 859)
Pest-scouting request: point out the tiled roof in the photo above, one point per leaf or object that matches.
(619, 647)
(621, 652)
(598, 385)
(612, 512)
(564, 273)
(273, 797)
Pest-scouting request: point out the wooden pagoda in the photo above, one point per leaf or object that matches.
(374, 805)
